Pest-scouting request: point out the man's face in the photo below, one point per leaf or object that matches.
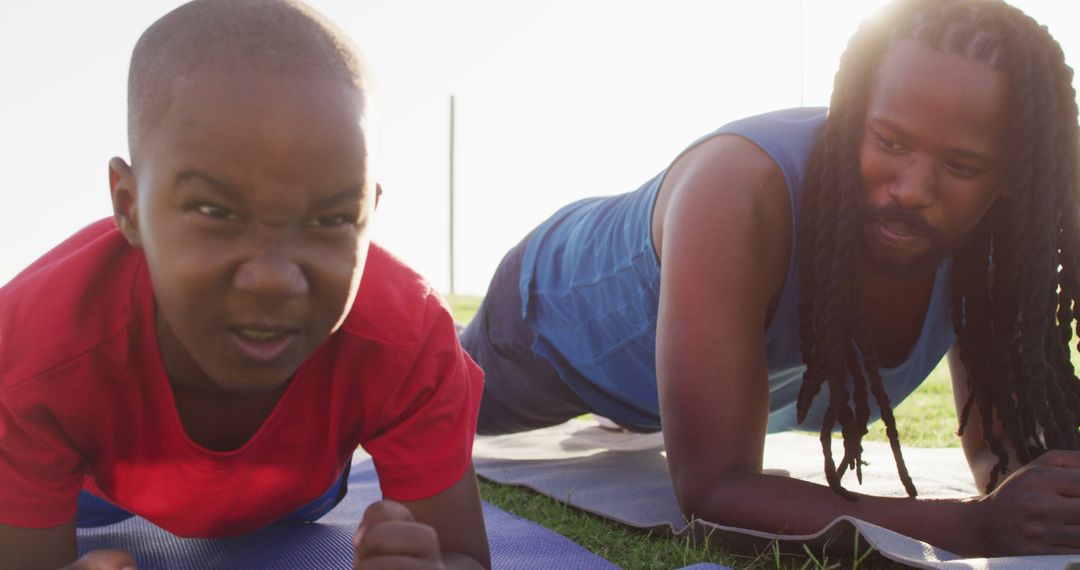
(252, 202)
(930, 157)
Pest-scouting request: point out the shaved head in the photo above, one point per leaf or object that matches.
(242, 36)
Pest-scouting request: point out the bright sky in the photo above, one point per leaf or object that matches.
(556, 100)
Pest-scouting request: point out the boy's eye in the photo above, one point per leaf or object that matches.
(217, 212)
(329, 221)
(887, 143)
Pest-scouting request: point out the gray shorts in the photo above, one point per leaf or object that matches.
(522, 391)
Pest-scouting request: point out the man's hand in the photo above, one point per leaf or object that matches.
(1036, 510)
(388, 537)
(104, 560)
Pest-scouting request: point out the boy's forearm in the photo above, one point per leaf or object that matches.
(32, 548)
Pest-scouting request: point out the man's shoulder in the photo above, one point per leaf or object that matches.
(74, 297)
(788, 137)
(782, 123)
(394, 305)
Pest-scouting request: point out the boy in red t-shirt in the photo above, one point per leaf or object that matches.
(210, 358)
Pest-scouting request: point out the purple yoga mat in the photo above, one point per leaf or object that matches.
(515, 542)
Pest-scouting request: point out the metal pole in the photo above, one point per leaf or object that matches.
(802, 55)
(452, 289)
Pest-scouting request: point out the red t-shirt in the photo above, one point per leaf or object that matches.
(84, 400)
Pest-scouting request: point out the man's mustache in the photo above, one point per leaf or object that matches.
(912, 222)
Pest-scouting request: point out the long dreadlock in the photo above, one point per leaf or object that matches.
(1015, 281)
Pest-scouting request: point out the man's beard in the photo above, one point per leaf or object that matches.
(911, 222)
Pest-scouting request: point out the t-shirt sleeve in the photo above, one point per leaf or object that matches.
(40, 471)
(430, 421)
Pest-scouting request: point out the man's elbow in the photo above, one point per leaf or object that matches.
(704, 498)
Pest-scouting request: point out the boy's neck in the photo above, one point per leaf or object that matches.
(212, 417)
(222, 421)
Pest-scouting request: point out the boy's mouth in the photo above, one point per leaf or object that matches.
(259, 336)
(262, 344)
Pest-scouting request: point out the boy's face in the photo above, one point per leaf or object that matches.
(252, 201)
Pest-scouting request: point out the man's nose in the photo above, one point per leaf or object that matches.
(914, 185)
(270, 275)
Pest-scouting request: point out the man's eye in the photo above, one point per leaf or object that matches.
(217, 212)
(962, 169)
(888, 144)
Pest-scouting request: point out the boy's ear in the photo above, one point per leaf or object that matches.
(122, 188)
(378, 194)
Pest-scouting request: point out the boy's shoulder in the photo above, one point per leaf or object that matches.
(394, 305)
(70, 300)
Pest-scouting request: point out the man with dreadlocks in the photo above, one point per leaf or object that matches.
(932, 209)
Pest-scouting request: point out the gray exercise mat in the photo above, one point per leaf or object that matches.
(624, 477)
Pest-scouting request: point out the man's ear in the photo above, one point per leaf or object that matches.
(122, 188)
(378, 194)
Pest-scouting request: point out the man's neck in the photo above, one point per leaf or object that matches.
(895, 308)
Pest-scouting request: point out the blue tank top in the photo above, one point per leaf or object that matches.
(590, 290)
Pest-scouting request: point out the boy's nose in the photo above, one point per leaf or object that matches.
(270, 275)
(913, 186)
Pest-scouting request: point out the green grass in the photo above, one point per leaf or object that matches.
(925, 419)
(464, 307)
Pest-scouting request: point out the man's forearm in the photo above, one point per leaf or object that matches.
(783, 505)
